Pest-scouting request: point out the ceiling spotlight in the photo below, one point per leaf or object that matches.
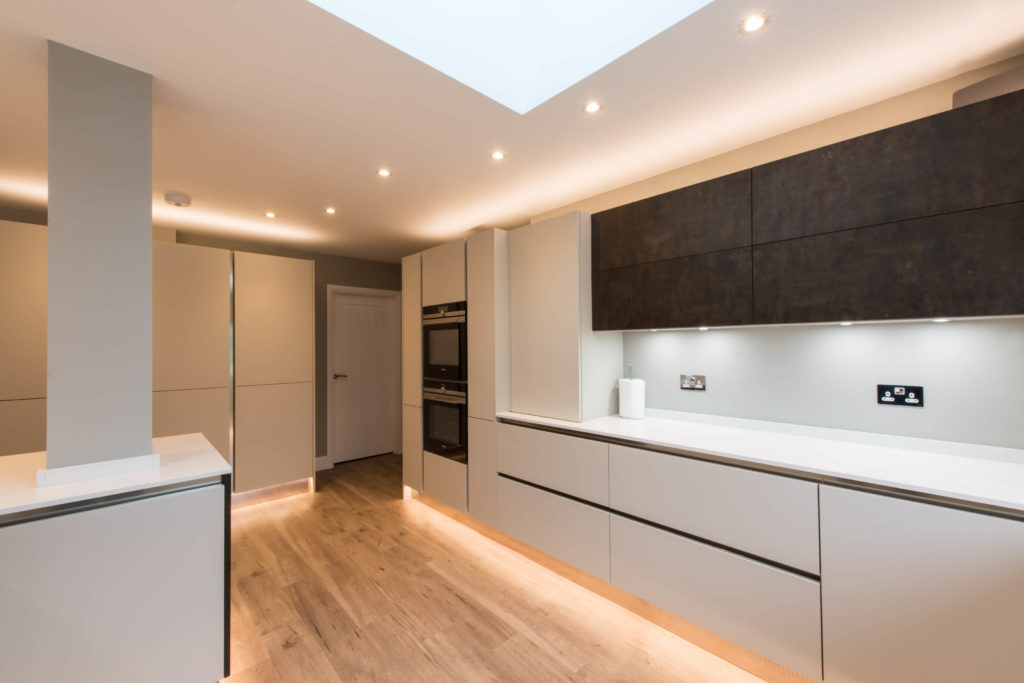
(178, 199)
(497, 155)
(270, 214)
(330, 210)
(592, 107)
(383, 173)
(755, 22)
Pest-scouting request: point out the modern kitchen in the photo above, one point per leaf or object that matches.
(749, 412)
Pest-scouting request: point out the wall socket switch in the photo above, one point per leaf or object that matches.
(693, 382)
(900, 395)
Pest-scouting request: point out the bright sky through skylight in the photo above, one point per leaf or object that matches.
(519, 53)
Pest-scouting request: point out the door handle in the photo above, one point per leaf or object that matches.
(337, 376)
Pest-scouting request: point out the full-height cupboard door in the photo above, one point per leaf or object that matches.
(207, 411)
(412, 447)
(544, 308)
(273, 435)
(191, 317)
(918, 592)
(412, 333)
(273, 319)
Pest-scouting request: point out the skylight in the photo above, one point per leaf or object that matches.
(519, 53)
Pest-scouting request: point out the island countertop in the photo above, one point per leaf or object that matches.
(977, 476)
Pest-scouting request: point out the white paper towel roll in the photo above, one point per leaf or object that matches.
(631, 398)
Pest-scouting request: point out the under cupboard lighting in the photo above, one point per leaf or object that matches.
(383, 172)
(270, 214)
(940, 320)
(702, 329)
(755, 22)
(497, 155)
(592, 107)
(846, 323)
(330, 210)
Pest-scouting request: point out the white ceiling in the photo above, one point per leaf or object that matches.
(276, 105)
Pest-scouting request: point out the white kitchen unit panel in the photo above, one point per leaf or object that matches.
(273, 435)
(918, 592)
(558, 367)
(445, 480)
(206, 411)
(191, 317)
(22, 310)
(770, 611)
(487, 323)
(412, 447)
(124, 593)
(578, 467)
(412, 333)
(573, 532)
(273, 319)
(482, 469)
(763, 514)
(444, 273)
(22, 426)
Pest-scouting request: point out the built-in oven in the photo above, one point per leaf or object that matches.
(445, 419)
(444, 342)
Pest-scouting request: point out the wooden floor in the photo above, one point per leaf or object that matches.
(354, 584)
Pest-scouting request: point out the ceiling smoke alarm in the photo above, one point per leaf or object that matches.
(178, 199)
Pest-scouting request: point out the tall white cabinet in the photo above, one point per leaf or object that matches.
(444, 273)
(559, 367)
(22, 338)
(192, 342)
(412, 374)
(274, 415)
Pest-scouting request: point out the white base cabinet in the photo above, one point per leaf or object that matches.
(770, 611)
(577, 467)
(444, 479)
(918, 592)
(412, 447)
(571, 531)
(482, 470)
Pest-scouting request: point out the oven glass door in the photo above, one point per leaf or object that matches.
(444, 428)
(444, 350)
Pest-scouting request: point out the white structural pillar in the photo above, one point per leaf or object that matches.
(100, 271)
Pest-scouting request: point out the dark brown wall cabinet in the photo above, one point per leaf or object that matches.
(920, 220)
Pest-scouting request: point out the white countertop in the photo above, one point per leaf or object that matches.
(986, 475)
(183, 458)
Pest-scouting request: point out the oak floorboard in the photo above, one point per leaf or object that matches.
(352, 583)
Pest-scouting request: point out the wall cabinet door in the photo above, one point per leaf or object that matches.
(273, 319)
(444, 273)
(917, 592)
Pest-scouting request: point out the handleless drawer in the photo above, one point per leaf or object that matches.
(573, 532)
(762, 514)
(578, 467)
(762, 608)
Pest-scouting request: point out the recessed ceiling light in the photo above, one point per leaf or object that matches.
(270, 214)
(330, 210)
(383, 173)
(940, 320)
(592, 107)
(702, 329)
(755, 22)
(497, 155)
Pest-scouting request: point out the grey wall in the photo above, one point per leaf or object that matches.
(972, 372)
(329, 270)
(100, 263)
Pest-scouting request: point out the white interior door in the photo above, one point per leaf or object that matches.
(363, 375)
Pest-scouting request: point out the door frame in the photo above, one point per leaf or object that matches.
(393, 327)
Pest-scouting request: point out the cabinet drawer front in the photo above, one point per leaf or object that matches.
(762, 514)
(571, 531)
(770, 611)
(444, 480)
(578, 467)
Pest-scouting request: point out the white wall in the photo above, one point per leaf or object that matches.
(972, 372)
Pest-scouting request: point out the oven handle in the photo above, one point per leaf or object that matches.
(455, 400)
(444, 321)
